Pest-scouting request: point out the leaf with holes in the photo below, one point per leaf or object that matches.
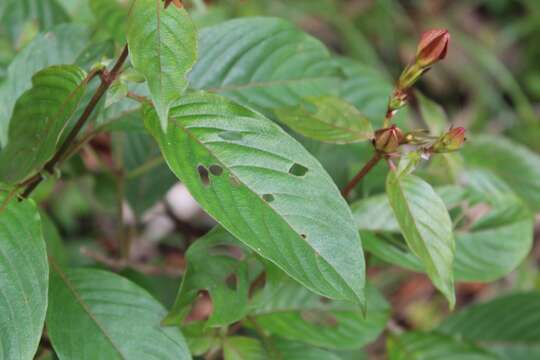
(24, 276)
(38, 120)
(163, 47)
(265, 63)
(434, 346)
(218, 264)
(327, 119)
(290, 311)
(94, 314)
(266, 190)
(426, 226)
(509, 325)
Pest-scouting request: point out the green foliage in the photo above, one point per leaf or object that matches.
(170, 175)
(243, 169)
(24, 276)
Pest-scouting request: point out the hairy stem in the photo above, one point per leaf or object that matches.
(107, 79)
(363, 172)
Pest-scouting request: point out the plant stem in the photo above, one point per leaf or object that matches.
(363, 172)
(107, 79)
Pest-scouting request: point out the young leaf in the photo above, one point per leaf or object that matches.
(38, 120)
(328, 119)
(94, 314)
(434, 346)
(216, 263)
(266, 190)
(263, 62)
(163, 47)
(24, 276)
(426, 226)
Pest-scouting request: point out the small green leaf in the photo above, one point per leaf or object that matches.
(38, 120)
(243, 348)
(327, 119)
(24, 276)
(426, 226)
(117, 92)
(265, 189)
(163, 47)
(94, 314)
(216, 263)
(433, 114)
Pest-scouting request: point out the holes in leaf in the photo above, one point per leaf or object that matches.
(319, 318)
(216, 170)
(298, 170)
(268, 198)
(203, 174)
(230, 135)
(232, 281)
(303, 236)
(325, 300)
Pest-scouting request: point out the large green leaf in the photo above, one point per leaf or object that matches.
(512, 162)
(24, 278)
(426, 226)
(290, 311)
(61, 45)
(434, 346)
(264, 63)
(328, 119)
(216, 263)
(509, 325)
(163, 47)
(38, 120)
(266, 190)
(94, 314)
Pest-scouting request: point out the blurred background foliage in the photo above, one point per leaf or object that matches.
(489, 84)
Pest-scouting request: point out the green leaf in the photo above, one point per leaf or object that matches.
(433, 114)
(215, 263)
(290, 311)
(264, 63)
(94, 314)
(265, 189)
(117, 92)
(513, 163)
(61, 45)
(434, 346)
(487, 249)
(509, 325)
(24, 276)
(292, 350)
(163, 47)
(328, 119)
(112, 16)
(38, 120)
(426, 226)
(243, 348)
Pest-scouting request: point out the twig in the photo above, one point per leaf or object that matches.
(363, 172)
(107, 79)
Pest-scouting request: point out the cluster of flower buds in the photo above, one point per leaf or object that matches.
(388, 140)
(450, 141)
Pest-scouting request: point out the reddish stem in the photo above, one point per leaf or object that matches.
(363, 172)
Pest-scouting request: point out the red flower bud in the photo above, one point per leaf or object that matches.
(451, 141)
(432, 47)
(388, 140)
